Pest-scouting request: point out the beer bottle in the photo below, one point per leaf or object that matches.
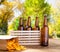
(29, 24)
(25, 25)
(44, 32)
(37, 24)
(21, 24)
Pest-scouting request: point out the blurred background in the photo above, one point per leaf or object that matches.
(12, 10)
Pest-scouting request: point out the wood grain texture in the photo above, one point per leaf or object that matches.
(54, 46)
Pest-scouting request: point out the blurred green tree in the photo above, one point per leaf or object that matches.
(6, 13)
(35, 8)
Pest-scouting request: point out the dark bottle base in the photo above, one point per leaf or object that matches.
(44, 45)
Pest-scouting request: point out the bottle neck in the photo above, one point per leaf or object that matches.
(25, 22)
(37, 22)
(29, 21)
(45, 21)
(21, 21)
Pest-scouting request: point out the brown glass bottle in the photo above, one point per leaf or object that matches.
(44, 32)
(29, 24)
(25, 25)
(21, 24)
(37, 24)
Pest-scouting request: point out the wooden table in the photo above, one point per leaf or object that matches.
(54, 46)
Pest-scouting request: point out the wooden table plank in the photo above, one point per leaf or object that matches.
(54, 46)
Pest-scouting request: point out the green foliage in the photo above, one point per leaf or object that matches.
(15, 23)
(35, 8)
(2, 1)
(6, 13)
(3, 29)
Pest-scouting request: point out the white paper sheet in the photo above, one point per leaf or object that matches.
(7, 37)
